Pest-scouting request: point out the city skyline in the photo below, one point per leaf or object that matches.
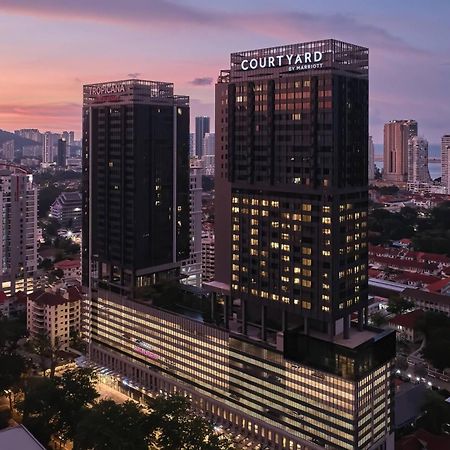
(48, 74)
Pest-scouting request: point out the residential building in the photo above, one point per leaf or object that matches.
(62, 153)
(8, 150)
(136, 187)
(395, 156)
(191, 268)
(32, 151)
(71, 269)
(445, 162)
(201, 128)
(55, 313)
(191, 145)
(12, 305)
(32, 134)
(208, 158)
(428, 301)
(48, 147)
(67, 209)
(371, 167)
(405, 326)
(418, 161)
(18, 229)
(208, 257)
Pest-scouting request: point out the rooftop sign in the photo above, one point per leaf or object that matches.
(307, 60)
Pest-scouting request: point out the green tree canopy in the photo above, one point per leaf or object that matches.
(110, 426)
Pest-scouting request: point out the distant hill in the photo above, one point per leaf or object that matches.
(19, 141)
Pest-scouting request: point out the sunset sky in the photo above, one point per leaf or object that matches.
(50, 48)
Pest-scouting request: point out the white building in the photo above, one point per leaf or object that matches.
(418, 160)
(55, 313)
(18, 229)
(192, 267)
(445, 162)
(71, 269)
(208, 158)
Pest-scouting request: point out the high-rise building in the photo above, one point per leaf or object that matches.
(371, 167)
(8, 150)
(55, 313)
(191, 145)
(445, 162)
(275, 355)
(18, 229)
(201, 128)
(62, 153)
(69, 137)
(47, 148)
(32, 134)
(208, 256)
(209, 158)
(297, 174)
(418, 161)
(395, 156)
(191, 268)
(135, 184)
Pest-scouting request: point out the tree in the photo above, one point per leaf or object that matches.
(436, 413)
(398, 304)
(378, 319)
(436, 348)
(77, 389)
(110, 426)
(46, 350)
(401, 362)
(177, 427)
(39, 408)
(56, 405)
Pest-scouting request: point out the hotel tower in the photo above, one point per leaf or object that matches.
(277, 346)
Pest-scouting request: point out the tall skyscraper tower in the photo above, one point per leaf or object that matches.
(445, 161)
(418, 160)
(135, 184)
(371, 167)
(294, 160)
(201, 127)
(18, 229)
(395, 157)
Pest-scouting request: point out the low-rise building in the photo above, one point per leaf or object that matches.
(428, 301)
(67, 209)
(55, 313)
(405, 325)
(71, 269)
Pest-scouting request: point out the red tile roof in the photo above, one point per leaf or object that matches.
(68, 264)
(425, 296)
(49, 298)
(437, 286)
(407, 320)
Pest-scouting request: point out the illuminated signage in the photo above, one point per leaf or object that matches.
(107, 89)
(146, 353)
(308, 60)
